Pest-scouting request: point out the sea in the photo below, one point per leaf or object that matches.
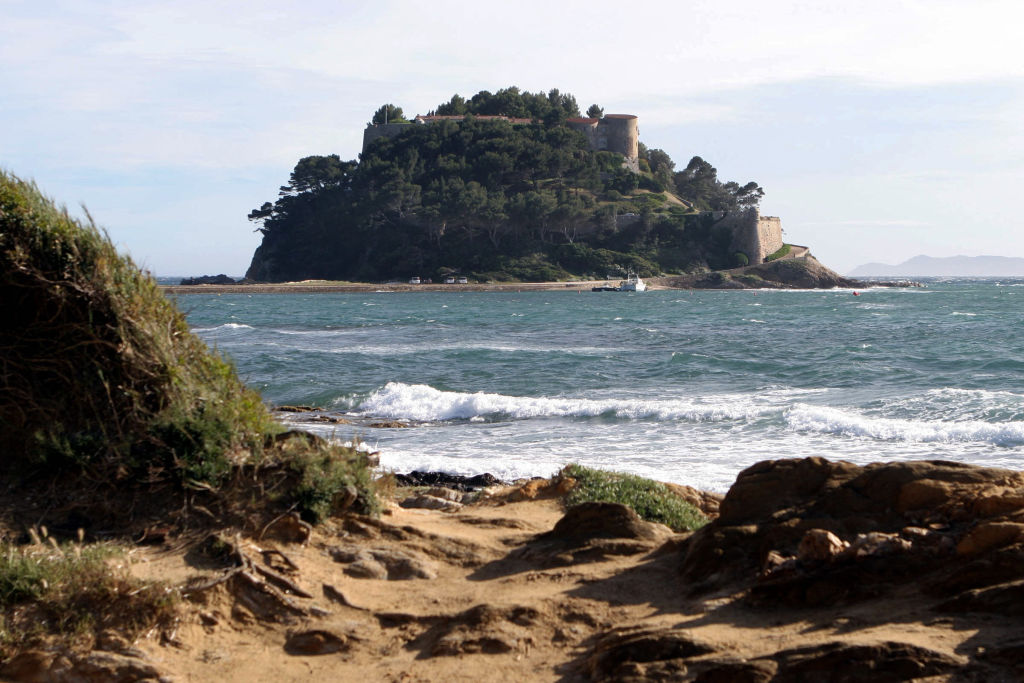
(682, 386)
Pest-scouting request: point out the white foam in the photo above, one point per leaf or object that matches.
(225, 326)
(425, 403)
(803, 417)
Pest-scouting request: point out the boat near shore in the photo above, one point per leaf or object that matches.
(632, 283)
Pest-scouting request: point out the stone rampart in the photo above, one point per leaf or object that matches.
(383, 130)
(755, 235)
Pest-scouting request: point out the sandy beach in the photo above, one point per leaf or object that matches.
(326, 287)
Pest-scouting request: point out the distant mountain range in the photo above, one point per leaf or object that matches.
(955, 266)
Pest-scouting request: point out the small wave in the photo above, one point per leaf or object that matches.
(225, 326)
(963, 313)
(430, 347)
(425, 403)
(827, 420)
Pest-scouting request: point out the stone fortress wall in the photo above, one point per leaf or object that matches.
(383, 130)
(755, 235)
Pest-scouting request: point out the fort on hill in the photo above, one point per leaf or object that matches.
(619, 133)
(509, 186)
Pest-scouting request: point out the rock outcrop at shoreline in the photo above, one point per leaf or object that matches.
(805, 272)
(221, 279)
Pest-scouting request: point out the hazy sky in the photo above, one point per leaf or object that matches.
(879, 130)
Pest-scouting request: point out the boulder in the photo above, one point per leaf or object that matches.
(588, 521)
(814, 531)
(819, 545)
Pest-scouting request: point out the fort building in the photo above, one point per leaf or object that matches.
(618, 133)
(755, 235)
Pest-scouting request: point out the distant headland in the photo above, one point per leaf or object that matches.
(949, 266)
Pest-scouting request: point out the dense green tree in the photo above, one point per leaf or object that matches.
(388, 113)
(595, 112)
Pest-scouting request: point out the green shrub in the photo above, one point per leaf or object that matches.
(327, 474)
(740, 259)
(782, 251)
(650, 499)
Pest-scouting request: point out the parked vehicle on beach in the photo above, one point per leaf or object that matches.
(449, 280)
(462, 281)
(414, 281)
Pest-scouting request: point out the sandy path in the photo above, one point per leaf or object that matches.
(502, 606)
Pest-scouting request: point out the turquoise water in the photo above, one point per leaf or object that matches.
(688, 387)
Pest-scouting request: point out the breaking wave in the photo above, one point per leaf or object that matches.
(425, 403)
(826, 420)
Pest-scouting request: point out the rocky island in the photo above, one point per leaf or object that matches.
(517, 187)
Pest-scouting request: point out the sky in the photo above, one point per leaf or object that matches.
(878, 130)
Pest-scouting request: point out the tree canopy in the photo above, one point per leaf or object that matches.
(552, 107)
(388, 113)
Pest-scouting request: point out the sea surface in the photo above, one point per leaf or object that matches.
(689, 387)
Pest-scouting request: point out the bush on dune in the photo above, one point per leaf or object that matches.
(102, 378)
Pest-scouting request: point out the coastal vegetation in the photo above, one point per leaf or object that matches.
(781, 252)
(103, 379)
(113, 414)
(651, 500)
(496, 200)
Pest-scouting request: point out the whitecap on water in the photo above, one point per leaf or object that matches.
(828, 420)
(425, 403)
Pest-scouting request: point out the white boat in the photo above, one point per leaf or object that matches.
(632, 283)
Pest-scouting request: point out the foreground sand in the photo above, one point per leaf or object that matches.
(503, 601)
(811, 570)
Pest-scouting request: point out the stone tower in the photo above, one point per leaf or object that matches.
(619, 133)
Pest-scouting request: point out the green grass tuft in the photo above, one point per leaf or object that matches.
(650, 499)
(779, 253)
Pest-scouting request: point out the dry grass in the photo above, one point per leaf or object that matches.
(74, 592)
